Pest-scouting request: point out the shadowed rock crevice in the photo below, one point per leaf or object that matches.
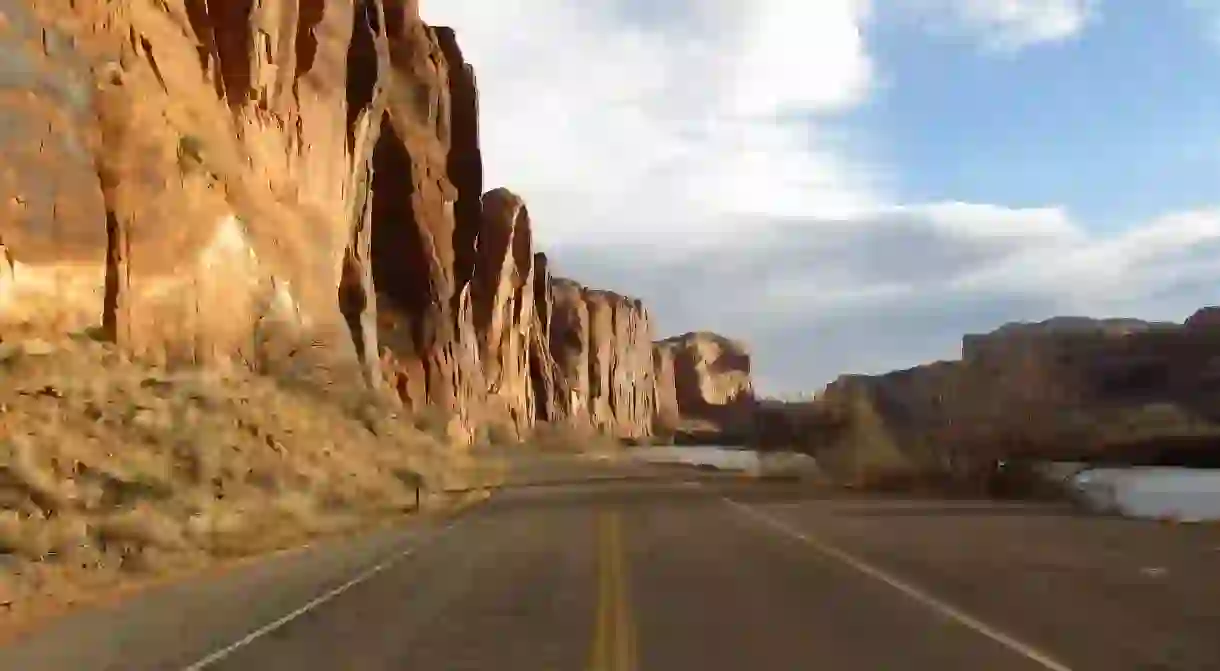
(543, 368)
(357, 296)
(116, 281)
(114, 277)
(523, 259)
(595, 359)
(465, 159)
(400, 267)
(310, 16)
(353, 302)
(362, 67)
(541, 388)
(201, 24)
(224, 28)
(407, 317)
(365, 63)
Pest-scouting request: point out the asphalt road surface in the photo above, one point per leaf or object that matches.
(670, 574)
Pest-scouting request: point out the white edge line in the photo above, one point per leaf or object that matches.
(952, 612)
(220, 654)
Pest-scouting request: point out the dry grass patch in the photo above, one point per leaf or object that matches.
(109, 466)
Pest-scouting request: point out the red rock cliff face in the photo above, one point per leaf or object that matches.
(712, 389)
(422, 170)
(570, 347)
(506, 310)
(186, 175)
(291, 185)
(602, 346)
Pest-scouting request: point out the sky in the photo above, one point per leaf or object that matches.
(850, 185)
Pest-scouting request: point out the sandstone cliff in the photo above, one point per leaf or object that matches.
(295, 187)
(704, 388)
(1110, 390)
(602, 347)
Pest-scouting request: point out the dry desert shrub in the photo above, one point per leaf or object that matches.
(107, 462)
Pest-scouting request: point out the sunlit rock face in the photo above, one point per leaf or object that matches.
(292, 186)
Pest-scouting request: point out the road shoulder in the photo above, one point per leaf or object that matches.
(195, 611)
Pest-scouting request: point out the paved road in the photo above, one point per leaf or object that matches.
(674, 575)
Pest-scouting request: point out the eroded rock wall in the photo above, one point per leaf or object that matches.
(632, 388)
(467, 318)
(186, 176)
(543, 368)
(602, 345)
(431, 350)
(292, 186)
(506, 313)
(570, 347)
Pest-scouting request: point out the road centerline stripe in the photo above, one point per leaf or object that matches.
(603, 622)
(625, 624)
(614, 633)
(939, 606)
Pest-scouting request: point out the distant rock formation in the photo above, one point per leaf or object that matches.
(294, 187)
(712, 397)
(1078, 389)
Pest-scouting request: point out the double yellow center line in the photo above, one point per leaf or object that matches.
(614, 639)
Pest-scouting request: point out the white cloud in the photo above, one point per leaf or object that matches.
(1006, 25)
(628, 117)
(900, 286)
(1101, 271)
(996, 222)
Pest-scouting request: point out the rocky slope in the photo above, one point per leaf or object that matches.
(293, 187)
(1068, 388)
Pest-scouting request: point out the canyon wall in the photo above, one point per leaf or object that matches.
(293, 187)
(185, 179)
(601, 343)
(1068, 388)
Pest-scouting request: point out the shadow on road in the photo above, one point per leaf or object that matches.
(981, 509)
